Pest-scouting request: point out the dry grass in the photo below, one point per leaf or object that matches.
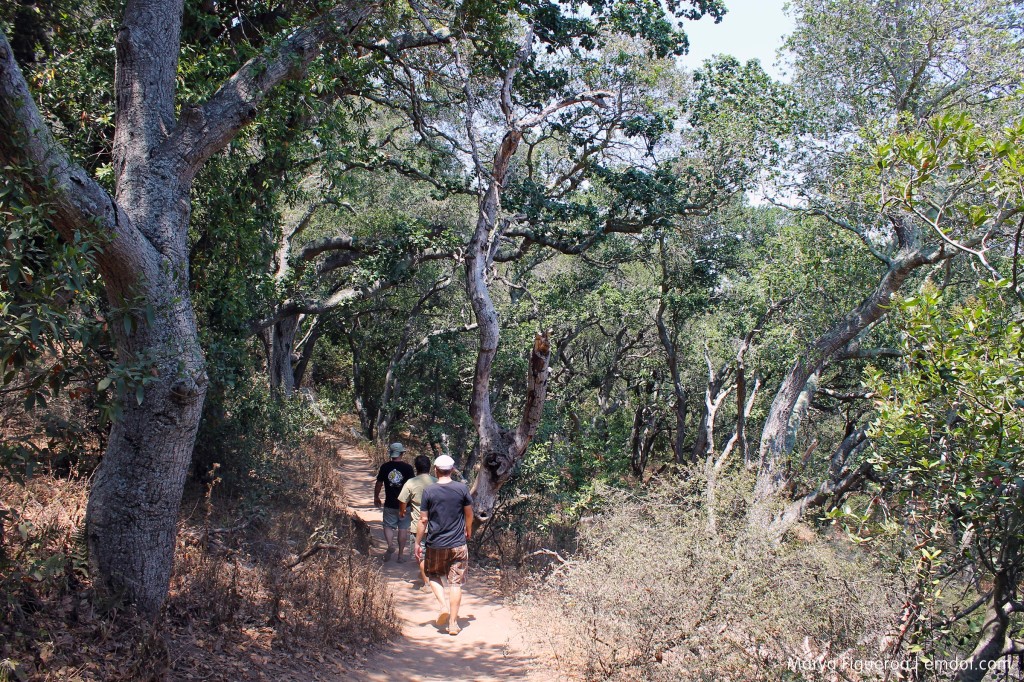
(520, 558)
(655, 594)
(242, 604)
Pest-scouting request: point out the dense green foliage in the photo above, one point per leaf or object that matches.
(692, 241)
(946, 439)
(53, 343)
(949, 425)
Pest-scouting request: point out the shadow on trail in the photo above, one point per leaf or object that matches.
(450, 660)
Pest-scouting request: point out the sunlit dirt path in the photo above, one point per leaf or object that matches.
(490, 644)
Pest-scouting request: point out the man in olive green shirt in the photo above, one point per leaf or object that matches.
(412, 495)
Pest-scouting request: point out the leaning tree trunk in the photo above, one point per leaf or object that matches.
(994, 642)
(777, 435)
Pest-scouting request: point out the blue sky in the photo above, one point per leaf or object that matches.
(752, 29)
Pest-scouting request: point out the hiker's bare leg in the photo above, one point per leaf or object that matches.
(423, 575)
(455, 596)
(403, 541)
(442, 605)
(389, 537)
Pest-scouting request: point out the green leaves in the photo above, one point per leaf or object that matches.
(949, 426)
(956, 183)
(51, 336)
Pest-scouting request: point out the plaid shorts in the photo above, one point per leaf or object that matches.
(447, 561)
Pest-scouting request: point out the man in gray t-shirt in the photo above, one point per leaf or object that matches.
(446, 523)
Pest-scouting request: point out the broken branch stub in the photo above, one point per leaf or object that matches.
(500, 454)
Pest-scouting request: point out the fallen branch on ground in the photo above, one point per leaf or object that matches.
(547, 552)
(310, 551)
(230, 529)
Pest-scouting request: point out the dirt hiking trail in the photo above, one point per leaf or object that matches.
(490, 646)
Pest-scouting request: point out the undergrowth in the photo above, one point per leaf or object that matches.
(281, 584)
(656, 593)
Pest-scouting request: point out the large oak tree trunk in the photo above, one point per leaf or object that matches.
(502, 449)
(132, 515)
(281, 356)
(133, 504)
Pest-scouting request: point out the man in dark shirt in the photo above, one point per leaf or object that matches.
(446, 520)
(392, 476)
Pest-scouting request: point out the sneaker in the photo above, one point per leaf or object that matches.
(388, 554)
(401, 559)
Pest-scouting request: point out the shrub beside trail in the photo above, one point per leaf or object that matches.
(654, 594)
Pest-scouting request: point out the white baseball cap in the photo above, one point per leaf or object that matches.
(444, 462)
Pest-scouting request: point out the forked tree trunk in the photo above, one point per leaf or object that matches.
(679, 394)
(132, 514)
(387, 412)
(503, 449)
(305, 353)
(645, 428)
(133, 502)
(499, 449)
(363, 411)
